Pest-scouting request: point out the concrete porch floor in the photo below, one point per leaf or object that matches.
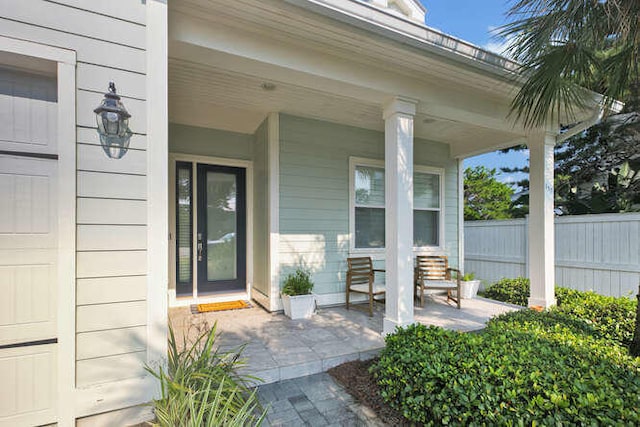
(278, 348)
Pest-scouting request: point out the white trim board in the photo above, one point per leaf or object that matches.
(175, 301)
(157, 199)
(273, 164)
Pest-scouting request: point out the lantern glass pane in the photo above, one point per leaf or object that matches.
(100, 123)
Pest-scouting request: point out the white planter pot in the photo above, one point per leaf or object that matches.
(299, 306)
(469, 289)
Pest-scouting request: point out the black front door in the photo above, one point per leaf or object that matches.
(221, 229)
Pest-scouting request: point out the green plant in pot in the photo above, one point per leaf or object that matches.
(297, 299)
(469, 286)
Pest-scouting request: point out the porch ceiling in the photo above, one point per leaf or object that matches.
(206, 96)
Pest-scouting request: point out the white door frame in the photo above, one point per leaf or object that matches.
(174, 300)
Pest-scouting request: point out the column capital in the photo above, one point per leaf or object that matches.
(400, 105)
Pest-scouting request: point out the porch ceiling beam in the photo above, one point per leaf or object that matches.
(232, 50)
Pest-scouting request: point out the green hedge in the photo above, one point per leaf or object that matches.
(513, 291)
(610, 317)
(526, 368)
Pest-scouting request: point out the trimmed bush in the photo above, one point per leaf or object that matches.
(612, 318)
(514, 291)
(526, 368)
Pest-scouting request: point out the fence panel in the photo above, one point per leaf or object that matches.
(593, 252)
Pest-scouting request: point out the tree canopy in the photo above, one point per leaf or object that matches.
(484, 196)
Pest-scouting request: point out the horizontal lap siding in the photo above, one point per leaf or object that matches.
(109, 39)
(314, 164)
(314, 194)
(199, 141)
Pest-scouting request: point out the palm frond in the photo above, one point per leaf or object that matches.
(564, 45)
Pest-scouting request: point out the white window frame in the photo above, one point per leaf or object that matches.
(378, 253)
(442, 218)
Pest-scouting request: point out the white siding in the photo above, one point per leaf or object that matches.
(109, 39)
(593, 252)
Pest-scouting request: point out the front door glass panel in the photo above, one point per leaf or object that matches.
(221, 215)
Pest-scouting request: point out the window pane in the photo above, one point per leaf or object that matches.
(369, 186)
(425, 228)
(183, 223)
(221, 226)
(426, 191)
(369, 228)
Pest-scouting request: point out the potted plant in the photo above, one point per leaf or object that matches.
(297, 299)
(469, 286)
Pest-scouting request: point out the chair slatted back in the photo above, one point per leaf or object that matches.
(432, 267)
(360, 270)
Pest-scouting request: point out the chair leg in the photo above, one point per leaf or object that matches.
(370, 305)
(347, 297)
(421, 296)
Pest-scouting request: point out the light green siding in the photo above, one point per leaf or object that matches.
(209, 142)
(314, 194)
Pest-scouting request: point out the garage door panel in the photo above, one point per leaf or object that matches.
(28, 212)
(28, 102)
(27, 395)
(27, 310)
(28, 248)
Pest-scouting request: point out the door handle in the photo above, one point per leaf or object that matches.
(200, 246)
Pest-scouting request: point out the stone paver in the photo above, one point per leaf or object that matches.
(278, 348)
(291, 356)
(315, 400)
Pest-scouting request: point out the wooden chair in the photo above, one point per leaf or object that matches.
(433, 272)
(361, 280)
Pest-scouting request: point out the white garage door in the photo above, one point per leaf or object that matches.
(28, 248)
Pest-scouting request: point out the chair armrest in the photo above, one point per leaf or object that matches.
(458, 275)
(381, 270)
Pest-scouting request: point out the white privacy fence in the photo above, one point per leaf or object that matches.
(593, 252)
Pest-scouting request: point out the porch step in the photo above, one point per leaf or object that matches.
(305, 366)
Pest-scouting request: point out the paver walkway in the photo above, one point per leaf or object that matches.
(314, 400)
(290, 356)
(278, 348)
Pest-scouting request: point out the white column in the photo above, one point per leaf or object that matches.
(398, 152)
(541, 220)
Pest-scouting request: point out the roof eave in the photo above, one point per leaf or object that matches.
(406, 31)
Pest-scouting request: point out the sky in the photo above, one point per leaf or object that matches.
(473, 20)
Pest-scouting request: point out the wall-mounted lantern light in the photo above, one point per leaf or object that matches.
(113, 124)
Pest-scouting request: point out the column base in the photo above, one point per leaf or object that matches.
(541, 302)
(389, 326)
